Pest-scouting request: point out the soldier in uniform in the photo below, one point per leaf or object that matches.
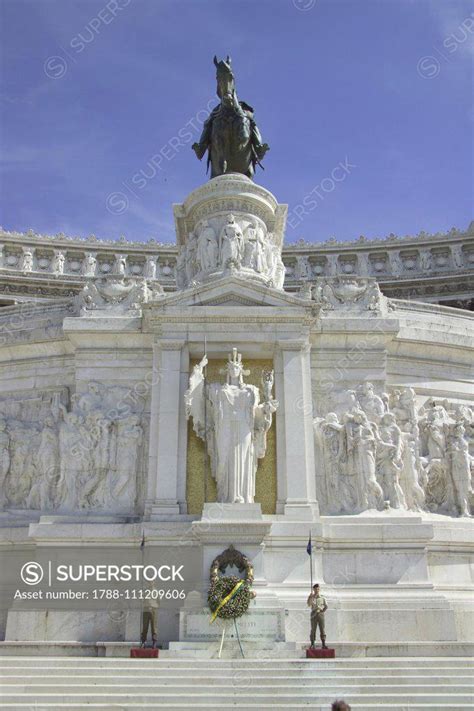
(318, 606)
(149, 617)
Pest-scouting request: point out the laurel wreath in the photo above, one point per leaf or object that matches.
(235, 607)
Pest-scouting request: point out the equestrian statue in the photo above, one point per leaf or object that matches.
(230, 135)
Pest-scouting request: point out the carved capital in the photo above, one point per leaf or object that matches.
(294, 344)
(170, 345)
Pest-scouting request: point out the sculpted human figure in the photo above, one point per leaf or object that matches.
(361, 448)
(71, 448)
(302, 268)
(89, 265)
(460, 466)
(91, 400)
(403, 406)
(150, 267)
(270, 257)
(26, 264)
(191, 248)
(97, 462)
(435, 430)
(458, 255)
(231, 244)
(181, 268)
(123, 479)
(20, 476)
(233, 423)
(369, 402)
(279, 268)
(389, 461)
(47, 468)
(439, 486)
(259, 261)
(207, 249)
(4, 458)
(425, 260)
(333, 449)
(57, 264)
(410, 475)
(120, 265)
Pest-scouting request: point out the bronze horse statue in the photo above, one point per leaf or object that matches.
(230, 134)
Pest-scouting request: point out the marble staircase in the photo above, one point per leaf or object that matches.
(119, 684)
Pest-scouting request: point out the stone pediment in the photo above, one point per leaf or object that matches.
(232, 291)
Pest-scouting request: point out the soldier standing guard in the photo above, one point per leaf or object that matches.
(149, 617)
(318, 606)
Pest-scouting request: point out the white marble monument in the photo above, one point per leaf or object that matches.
(355, 422)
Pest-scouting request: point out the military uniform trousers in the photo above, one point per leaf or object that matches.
(317, 620)
(149, 620)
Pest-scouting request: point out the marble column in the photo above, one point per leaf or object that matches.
(296, 453)
(165, 430)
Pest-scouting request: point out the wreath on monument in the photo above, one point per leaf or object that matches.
(229, 596)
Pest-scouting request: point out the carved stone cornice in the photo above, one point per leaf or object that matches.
(423, 267)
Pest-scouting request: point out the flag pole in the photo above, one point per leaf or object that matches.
(142, 607)
(311, 560)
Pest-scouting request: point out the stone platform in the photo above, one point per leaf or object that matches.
(188, 650)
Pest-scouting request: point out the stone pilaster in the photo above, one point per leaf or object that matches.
(166, 431)
(296, 455)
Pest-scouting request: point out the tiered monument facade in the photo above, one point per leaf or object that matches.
(232, 391)
(369, 412)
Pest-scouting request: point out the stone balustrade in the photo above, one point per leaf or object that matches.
(437, 268)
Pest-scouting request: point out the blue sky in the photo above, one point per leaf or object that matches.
(95, 92)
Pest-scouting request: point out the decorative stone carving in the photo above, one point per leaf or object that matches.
(57, 263)
(26, 263)
(28, 458)
(120, 265)
(181, 276)
(207, 247)
(386, 452)
(116, 294)
(460, 468)
(443, 257)
(239, 229)
(99, 442)
(89, 265)
(331, 444)
(303, 269)
(233, 424)
(5, 458)
(149, 271)
(231, 245)
(341, 295)
(389, 460)
(370, 403)
(85, 458)
(361, 461)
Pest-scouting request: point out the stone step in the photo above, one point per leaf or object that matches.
(315, 706)
(164, 699)
(192, 650)
(167, 679)
(124, 662)
(296, 689)
(119, 684)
